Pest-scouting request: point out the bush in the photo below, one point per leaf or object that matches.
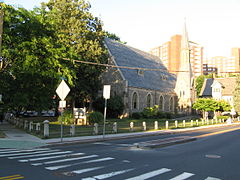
(222, 117)
(137, 115)
(150, 112)
(115, 106)
(95, 117)
(67, 117)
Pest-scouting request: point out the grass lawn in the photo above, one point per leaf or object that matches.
(2, 135)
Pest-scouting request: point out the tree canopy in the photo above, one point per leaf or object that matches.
(236, 93)
(35, 44)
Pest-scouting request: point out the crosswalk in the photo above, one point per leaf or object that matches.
(91, 166)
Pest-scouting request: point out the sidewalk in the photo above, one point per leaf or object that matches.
(19, 139)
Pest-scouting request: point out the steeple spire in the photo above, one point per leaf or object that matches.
(185, 41)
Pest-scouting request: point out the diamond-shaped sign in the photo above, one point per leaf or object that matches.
(62, 90)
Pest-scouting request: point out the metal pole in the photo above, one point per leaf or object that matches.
(104, 119)
(62, 126)
(1, 33)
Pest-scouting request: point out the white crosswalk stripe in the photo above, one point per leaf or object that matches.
(107, 175)
(183, 176)
(74, 164)
(25, 150)
(27, 153)
(45, 153)
(7, 150)
(52, 157)
(65, 160)
(150, 174)
(82, 170)
(212, 178)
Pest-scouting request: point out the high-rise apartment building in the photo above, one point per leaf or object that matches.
(223, 66)
(169, 53)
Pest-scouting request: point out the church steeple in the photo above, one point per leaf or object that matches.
(184, 84)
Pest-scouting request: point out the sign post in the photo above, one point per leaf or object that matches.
(62, 91)
(106, 96)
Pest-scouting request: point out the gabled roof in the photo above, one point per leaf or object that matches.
(228, 86)
(128, 56)
(207, 87)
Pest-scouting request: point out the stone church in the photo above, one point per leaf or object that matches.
(143, 81)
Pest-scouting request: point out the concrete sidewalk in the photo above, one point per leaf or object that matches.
(19, 139)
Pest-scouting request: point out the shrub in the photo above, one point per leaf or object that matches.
(222, 117)
(95, 117)
(67, 117)
(115, 106)
(136, 115)
(150, 112)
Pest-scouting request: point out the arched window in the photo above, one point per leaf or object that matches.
(149, 100)
(135, 101)
(161, 103)
(171, 104)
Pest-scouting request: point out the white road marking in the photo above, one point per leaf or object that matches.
(65, 160)
(24, 150)
(107, 175)
(51, 157)
(7, 150)
(85, 162)
(150, 174)
(102, 143)
(212, 178)
(36, 155)
(82, 170)
(182, 176)
(19, 154)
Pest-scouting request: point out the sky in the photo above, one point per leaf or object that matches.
(145, 24)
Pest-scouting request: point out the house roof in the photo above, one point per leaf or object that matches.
(131, 57)
(228, 86)
(207, 87)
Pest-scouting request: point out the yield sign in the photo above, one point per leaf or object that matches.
(62, 90)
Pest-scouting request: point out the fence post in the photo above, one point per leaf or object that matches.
(192, 123)
(72, 130)
(95, 128)
(217, 121)
(212, 121)
(202, 121)
(25, 124)
(144, 126)
(176, 124)
(156, 125)
(30, 126)
(166, 124)
(38, 127)
(197, 122)
(46, 128)
(115, 127)
(131, 126)
(184, 123)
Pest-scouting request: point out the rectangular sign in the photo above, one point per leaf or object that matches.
(62, 104)
(106, 91)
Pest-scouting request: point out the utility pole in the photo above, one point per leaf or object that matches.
(1, 34)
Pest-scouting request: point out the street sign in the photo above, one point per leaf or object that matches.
(106, 91)
(62, 90)
(62, 104)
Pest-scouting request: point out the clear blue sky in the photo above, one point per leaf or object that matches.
(145, 24)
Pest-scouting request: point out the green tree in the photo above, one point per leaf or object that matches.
(236, 97)
(80, 36)
(30, 79)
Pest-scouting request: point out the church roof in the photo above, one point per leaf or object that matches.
(128, 56)
(207, 87)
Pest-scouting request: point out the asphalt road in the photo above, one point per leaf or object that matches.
(210, 157)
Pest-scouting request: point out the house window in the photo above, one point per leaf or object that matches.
(171, 104)
(135, 100)
(149, 100)
(161, 103)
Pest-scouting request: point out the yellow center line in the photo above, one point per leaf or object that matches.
(11, 177)
(20, 177)
(219, 132)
